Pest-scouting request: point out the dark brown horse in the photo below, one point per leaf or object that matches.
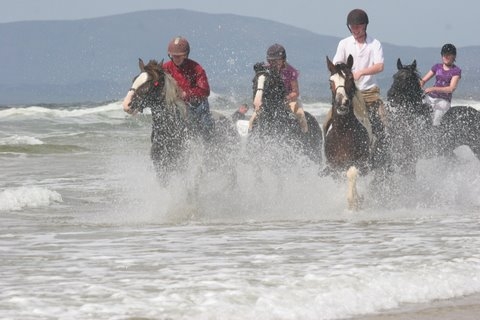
(347, 132)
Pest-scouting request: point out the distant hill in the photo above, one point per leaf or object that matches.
(95, 59)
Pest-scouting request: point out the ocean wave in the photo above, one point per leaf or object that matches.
(63, 111)
(20, 140)
(114, 110)
(44, 148)
(14, 199)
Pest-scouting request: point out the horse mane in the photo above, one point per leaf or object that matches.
(171, 90)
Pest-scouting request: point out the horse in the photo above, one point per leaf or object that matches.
(172, 130)
(409, 119)
(276, 131)
(157, 90)
(411, 128)
(348, 135)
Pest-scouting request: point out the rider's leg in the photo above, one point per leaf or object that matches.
(376, 113)
(440, 107)
(297, 109)
(202, 119)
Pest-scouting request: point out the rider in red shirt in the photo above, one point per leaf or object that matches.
(192, 79)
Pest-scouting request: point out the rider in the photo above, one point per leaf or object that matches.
(447, 75)
(240, 113)
(277, 59)
(193, 82)
(368, 61)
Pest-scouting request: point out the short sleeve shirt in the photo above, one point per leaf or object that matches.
(289, 74)
(370, 53)
(443, 78)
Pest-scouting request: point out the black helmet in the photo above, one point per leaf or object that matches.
(356, 17)
(276, 52)
(448, 49)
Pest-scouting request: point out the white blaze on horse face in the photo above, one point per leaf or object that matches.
(339, 87)
(141, 79)
(257, 101)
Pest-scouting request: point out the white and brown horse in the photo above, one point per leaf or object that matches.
(348, 134)
(157, 90)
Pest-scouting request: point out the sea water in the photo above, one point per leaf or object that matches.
(87, 232)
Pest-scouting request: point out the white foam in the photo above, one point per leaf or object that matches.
(27, 197)
(20, 140)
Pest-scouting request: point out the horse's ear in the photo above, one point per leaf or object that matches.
(141, 65)
(399, 64)
(350, 61)
(259, 67)
(414, 64)
(330, 66)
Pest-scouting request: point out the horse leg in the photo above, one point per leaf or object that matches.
(353, 198)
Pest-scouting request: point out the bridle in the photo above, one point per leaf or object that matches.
(340, 101)
(148, 98)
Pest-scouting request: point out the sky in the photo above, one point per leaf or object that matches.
(422, 23)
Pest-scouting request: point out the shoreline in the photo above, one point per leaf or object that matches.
(461, 308)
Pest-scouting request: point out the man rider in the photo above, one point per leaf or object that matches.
(368, 61)
(193, 82)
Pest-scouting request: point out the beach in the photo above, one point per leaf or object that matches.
(462, 308)
(88, 232)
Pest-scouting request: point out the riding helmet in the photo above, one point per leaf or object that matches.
(276, 52)
(178, 46)
(356, 17)
(448, 49)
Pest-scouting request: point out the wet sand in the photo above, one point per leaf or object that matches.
(464, 308)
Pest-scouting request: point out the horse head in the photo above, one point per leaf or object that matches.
(155, 89)
(147, 86)
(406, 89)
(342, 85)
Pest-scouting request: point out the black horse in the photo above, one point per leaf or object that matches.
(276, 131)
(173, 132)
(411, 129)
(409, 119)
(348, 133)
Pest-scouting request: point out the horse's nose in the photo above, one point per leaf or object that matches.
(346, 102)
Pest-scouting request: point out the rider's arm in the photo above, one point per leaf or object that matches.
(294, 94)
(426, 77)
(449, 89)
(374, 69)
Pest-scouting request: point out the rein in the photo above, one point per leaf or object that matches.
(148, 98)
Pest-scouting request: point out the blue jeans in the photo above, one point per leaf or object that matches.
(201, 119)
